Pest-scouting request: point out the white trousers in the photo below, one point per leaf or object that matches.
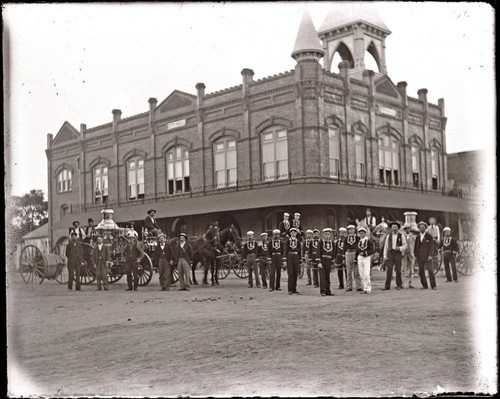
(364, 265)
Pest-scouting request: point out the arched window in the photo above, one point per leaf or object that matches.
(359, 155)
(334, 150)
(342, 53)
(178, 170)
(274, 154)
(64, 181)
(64, 210)
(225, 162)
(100, 184)
(135, 173)
(372, 60)
(415, 164)
(388, 159)
(435, 169)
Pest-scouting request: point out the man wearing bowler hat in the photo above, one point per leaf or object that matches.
(150, 223)
(424, 245)
(394, 248)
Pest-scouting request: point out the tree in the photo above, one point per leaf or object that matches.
(28, 212)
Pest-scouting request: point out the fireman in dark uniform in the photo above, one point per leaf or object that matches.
(313, 248)
(264, 258)
(277, 251)
(284, 226)
(449, 248)
(249, 253)
(324, 257)
(339, 256)
(292, 255)
(133, 254)
(305, 252)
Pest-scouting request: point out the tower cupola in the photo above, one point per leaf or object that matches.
(307, 45)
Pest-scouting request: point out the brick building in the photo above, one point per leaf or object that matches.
(325, 144)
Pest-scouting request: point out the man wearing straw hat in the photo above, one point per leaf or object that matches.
(394, 248)
(449, 248)
(424, 245)
(163, 257)
(408, 261)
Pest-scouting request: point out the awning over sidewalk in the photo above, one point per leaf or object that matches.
(285, 195)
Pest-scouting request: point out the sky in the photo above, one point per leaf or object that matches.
(77, 62)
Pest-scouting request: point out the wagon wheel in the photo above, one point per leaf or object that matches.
(302, 267)
(437, 261)
(114, 272)
(145, 270)
(62, 275)
(31, 265)
(240, 269)
(224, 266)
(465, 259)
(88, 271)
(175, 275)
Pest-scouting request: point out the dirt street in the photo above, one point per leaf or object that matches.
(232, 340)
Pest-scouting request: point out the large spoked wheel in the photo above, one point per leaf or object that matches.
(175, 274)
(145, 270)
(88, 271)
(302, 267)
(115, 272)
(437, 261)
(465, 259)
(62, 275)
(240, 269)
(224, 266)
(31, 265)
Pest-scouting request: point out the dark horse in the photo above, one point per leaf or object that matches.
(229, 233)
(203, 250)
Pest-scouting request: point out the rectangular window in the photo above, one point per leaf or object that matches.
(334, 152)
(434, 169)
(434, 183)
(381, 175)
(416, 180)
(275, 155)
(359, 154)
(415, 159)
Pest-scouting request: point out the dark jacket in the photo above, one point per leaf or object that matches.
(325, 249)
(250, 247)
(285, 230)
(277, 248)
(425, 248)
(365, 248)
(165, 253)
(351, 242)
(339, 247)
(313, 249)
(74, 252)
(150, 223)
(179, 252)
(293, 245)
(102, 256)
(452, 245)
(264, 249)
(133, 252)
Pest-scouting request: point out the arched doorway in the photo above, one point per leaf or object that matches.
(178, 226)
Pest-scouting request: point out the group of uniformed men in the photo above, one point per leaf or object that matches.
(351, 254)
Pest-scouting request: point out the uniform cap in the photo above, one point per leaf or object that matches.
(183, 235)
(296, 214)
(276, 231)
(162, 235)
(294, 229)
(342, 229)
(419, 223)
(432, 218)
(250, 232)
(368, 210)
(327, 230)
(309, 231)
(132, 233)
(286, 214)
(351, 226)
(316, 231)
(263, 234)
(446, 229)
(362, 229)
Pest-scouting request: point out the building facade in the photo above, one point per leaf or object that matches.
(324, 144)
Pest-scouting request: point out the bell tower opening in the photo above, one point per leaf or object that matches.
(372, 59)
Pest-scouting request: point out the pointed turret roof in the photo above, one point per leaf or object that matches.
(346, 14)
(307, 37)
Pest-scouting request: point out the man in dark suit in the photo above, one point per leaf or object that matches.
(90, 232)
(284, 226)
(133, 254)
(163, 257)
(449, 248)
(424, 245)
(150, 223)
(75, 259)
(102, 258)
(183, 256)
(80, 234)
